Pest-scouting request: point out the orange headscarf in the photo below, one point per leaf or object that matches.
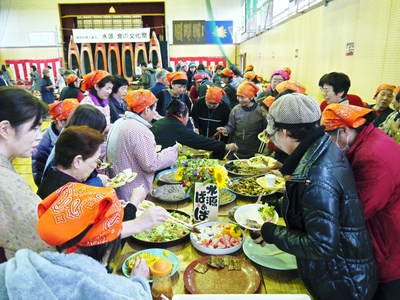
(140, 99)
(385, 87)
(249, 68)
(340, 115)
(214, 94)
(89, 80)
(71, 78)
(227, 72)
(67, 212)
(268, 101)
(171, 77)
(61, 110)
(290, 85)
(250, 75)
(247, 89)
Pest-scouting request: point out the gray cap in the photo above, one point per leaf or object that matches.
(295, 109)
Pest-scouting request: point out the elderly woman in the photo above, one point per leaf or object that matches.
(117, 99)
(178, 82)
(246, 121)
(131, 144)
(47, 87)
(60, 111)
(277, 77)
(88, 237)
(391, 126)
(20, 120)
(325, 226)
(99, 84)
(172, 129)
(383, 97)
(374, 158)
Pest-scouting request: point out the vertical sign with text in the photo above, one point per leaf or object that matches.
(206, 199)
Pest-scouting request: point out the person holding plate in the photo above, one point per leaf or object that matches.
(85, 224)
(325, 222)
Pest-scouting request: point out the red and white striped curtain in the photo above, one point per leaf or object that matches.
(22, 67)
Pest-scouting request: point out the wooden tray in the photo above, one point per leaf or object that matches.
(222, 281)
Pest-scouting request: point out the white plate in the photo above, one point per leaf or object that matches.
(269, 256)
(250, 211)
(213, 251)
(241, 297)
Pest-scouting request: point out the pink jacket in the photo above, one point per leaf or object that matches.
(131, 144)
(375, 159)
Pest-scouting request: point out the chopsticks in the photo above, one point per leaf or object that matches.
(261, 148)
(234, 154)
(146, 204)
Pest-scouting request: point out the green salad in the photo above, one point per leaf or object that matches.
(267, 212)
(167, 231)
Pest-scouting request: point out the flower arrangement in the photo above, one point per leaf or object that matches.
(191, 171)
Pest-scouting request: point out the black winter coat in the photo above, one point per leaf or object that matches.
(326, 227)
(169, 130)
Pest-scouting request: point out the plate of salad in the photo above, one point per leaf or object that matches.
(253, 216)
(165, 235)
(217, 238)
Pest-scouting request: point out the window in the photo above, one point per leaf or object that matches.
(122, 21)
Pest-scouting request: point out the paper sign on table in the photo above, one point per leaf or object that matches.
(206, 199)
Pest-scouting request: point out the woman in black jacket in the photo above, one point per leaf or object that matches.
(172, 129)
(325, 222)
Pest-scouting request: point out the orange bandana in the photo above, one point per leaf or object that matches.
(385, 87)
(89, 80)
(250, 75)
(214, 94)
(290, 85)
(71, 78)
(61, 110)
(247, 89)
(268, 101)
(140, 99)
(340, 115)
(171, 77)
(67, 212)
(227, 72)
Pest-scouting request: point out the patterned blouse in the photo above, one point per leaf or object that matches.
(18, 212)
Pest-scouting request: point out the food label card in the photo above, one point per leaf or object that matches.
(206, 199)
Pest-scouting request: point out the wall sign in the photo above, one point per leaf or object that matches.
(111, 35)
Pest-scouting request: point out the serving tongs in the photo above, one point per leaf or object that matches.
(192, 227)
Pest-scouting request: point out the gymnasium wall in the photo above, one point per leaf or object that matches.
(321, 35)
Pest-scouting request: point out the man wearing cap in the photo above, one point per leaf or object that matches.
(162, 82)
(85, 224)
(325, 226)
(211, 112)
(375, 160)
(226, 76)
(60, 112)
(131, 144)
(72, 89)
(246, 121)
(178, 81)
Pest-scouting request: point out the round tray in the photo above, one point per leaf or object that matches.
(166, 189)
(222, 281)
(236, 173)
(163, 244)
(161, 175)
(249, 196)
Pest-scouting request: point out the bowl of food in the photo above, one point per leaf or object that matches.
(167, 176)
(166, 235)
(169, 193)
(253, 187)
(253, 216)
(161, 262)
(121, 179)
(217, 238)
(226, 197)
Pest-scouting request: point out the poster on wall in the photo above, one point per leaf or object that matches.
(188, 32)
(219, 32)
(350, 49)
(111, 35)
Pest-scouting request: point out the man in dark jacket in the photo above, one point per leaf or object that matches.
(210, 113)
(325, 222)
(226, 76)
(148, 77)
(72, 89)
(162, 82)
(172, 129)
(117, 99)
